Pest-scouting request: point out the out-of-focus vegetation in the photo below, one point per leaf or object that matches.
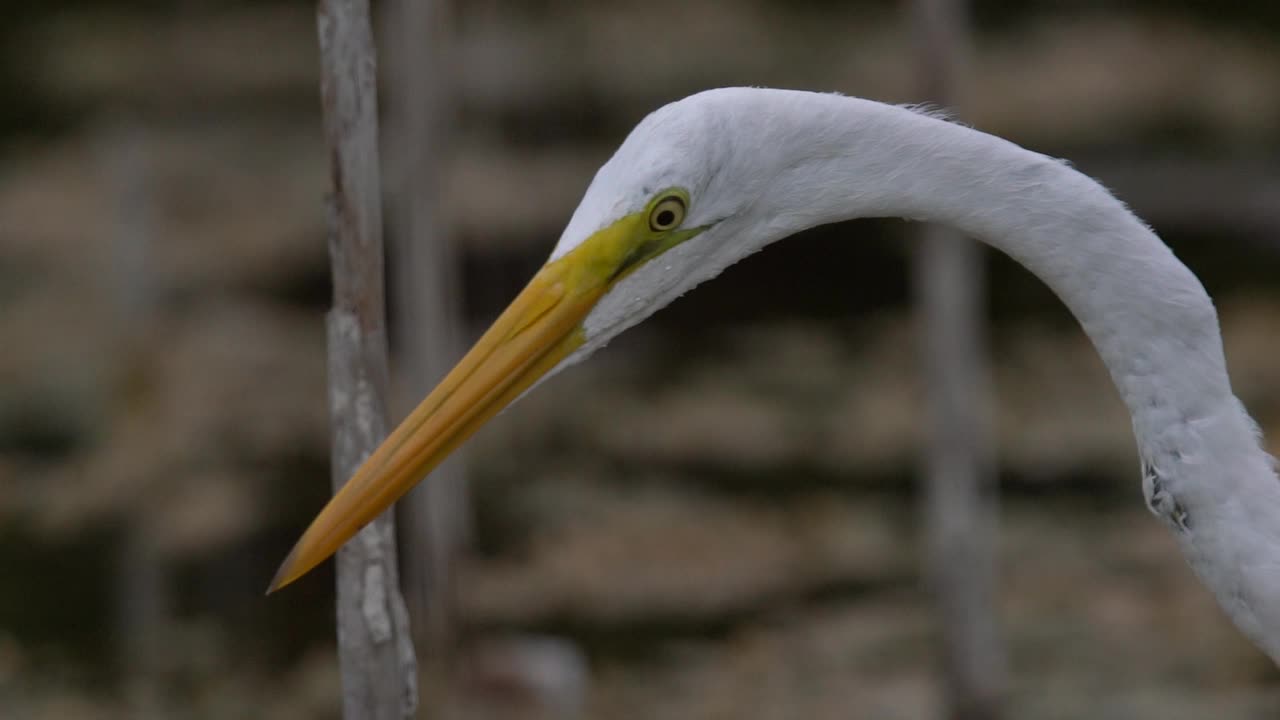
(714, 518)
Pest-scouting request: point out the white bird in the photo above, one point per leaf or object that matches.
(706, 181)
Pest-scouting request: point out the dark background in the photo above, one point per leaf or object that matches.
(715, 518)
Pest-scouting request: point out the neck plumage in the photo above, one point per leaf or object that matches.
(1147, 314)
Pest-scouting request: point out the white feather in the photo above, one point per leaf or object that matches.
(761, 165)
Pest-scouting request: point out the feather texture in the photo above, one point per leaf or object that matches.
(760, 165)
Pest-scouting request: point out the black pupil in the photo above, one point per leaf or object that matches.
(665, 218)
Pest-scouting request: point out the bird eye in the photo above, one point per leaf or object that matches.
(667, 214)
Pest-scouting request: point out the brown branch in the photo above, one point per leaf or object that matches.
(379, 669)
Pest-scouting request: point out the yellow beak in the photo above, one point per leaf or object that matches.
(540, 328)
(537, 331)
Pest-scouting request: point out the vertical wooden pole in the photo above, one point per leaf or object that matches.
(427, 328)
(959, 496)
(379, 669)
(143, 596)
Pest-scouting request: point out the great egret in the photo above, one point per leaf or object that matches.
(705, 181)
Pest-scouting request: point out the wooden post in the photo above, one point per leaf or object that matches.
(379, 669)
(427, 329)
(143, 596)
(959, 496)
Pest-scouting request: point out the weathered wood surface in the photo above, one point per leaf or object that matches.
(379, 669)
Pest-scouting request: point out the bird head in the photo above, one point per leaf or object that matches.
(645, 232)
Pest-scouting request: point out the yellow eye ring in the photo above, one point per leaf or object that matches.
(667, 214)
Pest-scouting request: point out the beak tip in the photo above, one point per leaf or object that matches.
(540, 328)
(285, 574)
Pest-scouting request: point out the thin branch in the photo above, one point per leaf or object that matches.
(379, 669)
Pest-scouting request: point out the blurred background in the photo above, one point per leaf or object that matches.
(717, 517)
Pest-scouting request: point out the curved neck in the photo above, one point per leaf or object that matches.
(773, 162)
(1149, 317)
(1147, 314)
